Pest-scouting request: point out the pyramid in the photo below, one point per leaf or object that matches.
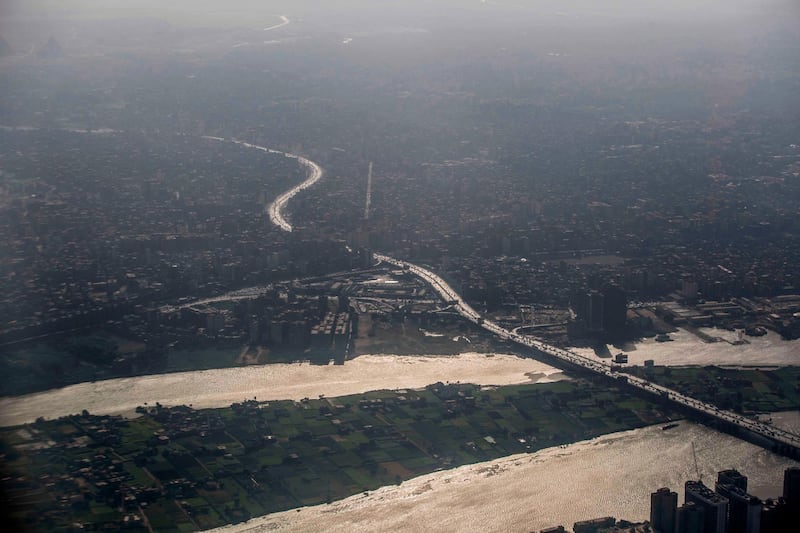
(5, 48)
(51, 50)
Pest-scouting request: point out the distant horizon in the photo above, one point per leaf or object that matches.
(489, 227)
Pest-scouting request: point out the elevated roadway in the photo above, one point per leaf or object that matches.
(275, 210)
(783, 441)
(779, 440)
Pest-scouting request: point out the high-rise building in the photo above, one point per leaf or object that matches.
(791, 487)
(615, 310)
(732, 477)
(689, 289)
(623, 526)
(689, 518)
(663, 506)
(603, 311)
(744, 510)
(715, 506)
(593, 525)
(594, 318)
(774, 518)
(791, 493)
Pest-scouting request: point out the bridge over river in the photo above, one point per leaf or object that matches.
(765, 435)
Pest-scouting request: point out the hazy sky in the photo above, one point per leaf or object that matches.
(715, 18)
(631, 8)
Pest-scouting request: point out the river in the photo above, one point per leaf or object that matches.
(612, 475)
(221, 387)
(686, 348)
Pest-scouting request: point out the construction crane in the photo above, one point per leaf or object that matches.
(696, 469)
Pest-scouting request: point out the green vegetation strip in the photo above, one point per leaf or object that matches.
(742, 390)
(178, 469)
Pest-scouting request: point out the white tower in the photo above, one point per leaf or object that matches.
(369, 192)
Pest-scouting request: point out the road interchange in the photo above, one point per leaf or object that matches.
(587, 363)
(789, 442)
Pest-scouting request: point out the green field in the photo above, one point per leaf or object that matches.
(181, 469)
(742, 390)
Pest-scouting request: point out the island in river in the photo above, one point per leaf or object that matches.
(175, 467)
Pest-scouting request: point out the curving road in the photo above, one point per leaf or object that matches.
(284, 21)
(315, 173)
(447, 292)
(276, 208)
(464, 309)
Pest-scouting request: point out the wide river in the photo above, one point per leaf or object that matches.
(221, 387)
(686, 348)
(612, 475)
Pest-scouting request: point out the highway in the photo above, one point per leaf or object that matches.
(284, 21)
(275, 209)
(446, 292)
(586, 363)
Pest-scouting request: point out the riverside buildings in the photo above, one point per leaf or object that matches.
(727, 509)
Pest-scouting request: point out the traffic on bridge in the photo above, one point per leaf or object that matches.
(315, 173)
(450, 295)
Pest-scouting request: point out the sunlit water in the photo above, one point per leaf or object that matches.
(785, 420)
(221, 387)
(611, 475)
(688, 349)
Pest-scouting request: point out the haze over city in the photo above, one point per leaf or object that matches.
(400, 266)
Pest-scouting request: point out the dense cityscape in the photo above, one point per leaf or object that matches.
(192, 190)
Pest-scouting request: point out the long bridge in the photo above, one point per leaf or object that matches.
(780, 441)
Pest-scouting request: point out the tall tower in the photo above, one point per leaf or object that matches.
(369, 192)
(731, 477)
(663, 507)
(744, 510)
(791, 486)
(690, 518)
(791, 492)
(715, 506)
